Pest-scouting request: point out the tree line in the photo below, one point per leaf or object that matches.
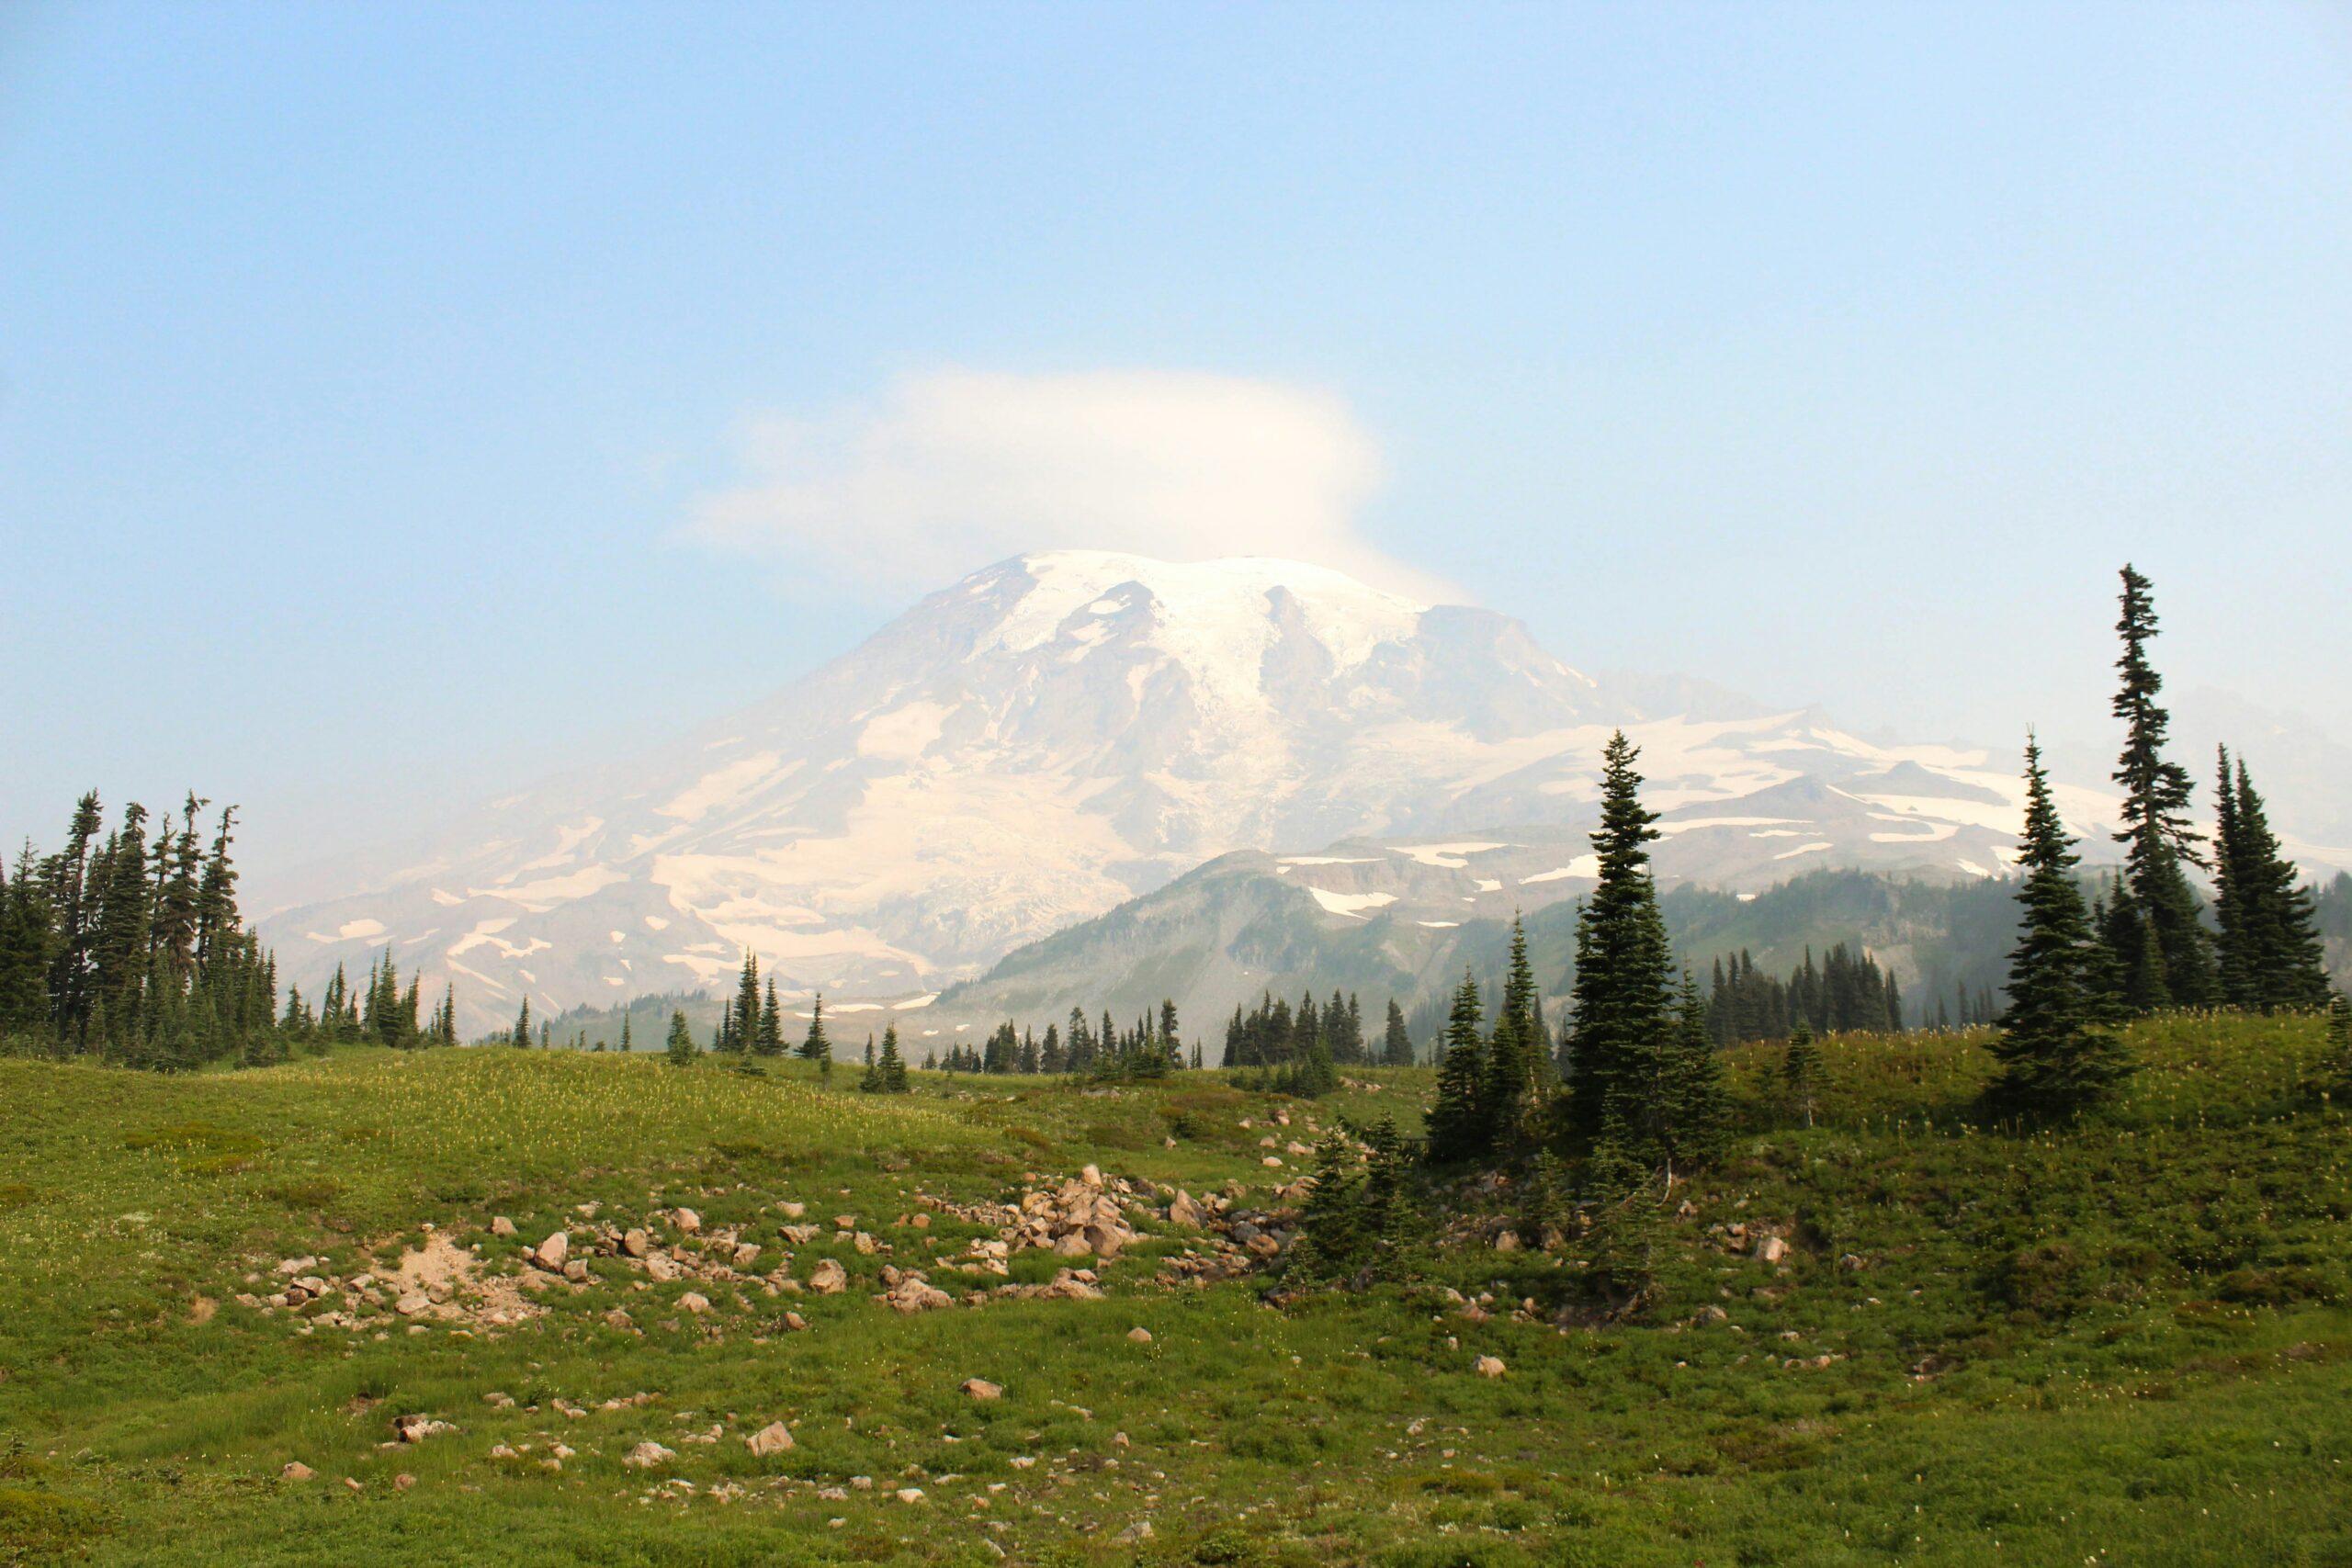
(128, 949)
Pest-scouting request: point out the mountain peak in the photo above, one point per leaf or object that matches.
(1218, 619)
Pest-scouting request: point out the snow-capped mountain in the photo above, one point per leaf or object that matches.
(1060, 732)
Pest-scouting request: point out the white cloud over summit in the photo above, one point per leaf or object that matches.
(953, 470)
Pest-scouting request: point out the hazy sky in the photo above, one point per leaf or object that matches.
(398, 402)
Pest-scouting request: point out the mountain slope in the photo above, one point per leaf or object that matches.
(1061, 732)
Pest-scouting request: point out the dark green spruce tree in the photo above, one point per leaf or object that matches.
(2055, 1061)
(1696, 1098)
(680, 1051)
(1622, 999)
(2156, 832)
(1396, 1044)
(2268, 956)
(769, 1041)
(1515, 1057)
(817, 1046)
(1459, 1127)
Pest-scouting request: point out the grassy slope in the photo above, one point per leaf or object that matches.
(2142, 1357)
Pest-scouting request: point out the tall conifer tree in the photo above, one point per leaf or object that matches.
(2269, 951)
(1459, 1126)
(2155, 831)
(1621, 994)
(2055, 1061)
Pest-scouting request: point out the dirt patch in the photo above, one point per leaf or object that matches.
(450, 1279)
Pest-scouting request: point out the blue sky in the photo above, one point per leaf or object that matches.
(371, 377)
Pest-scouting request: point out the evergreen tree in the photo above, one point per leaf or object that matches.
(628, 1044)
(2156, 815)
(892, 1067)
(2336, 1065)
(1515, 1055)
(769, 1041)
(744, 1019)
(2055, 1061)
(1620, 994)
(2270, 955)
(1459, 1127)
(1397, 1048)
(26, 953)
(66, 877)
(817, 1047)
(680, 1051)
(1697, 1123)
(522, 1019)
(216, 897)
(1331, 1220)
(1801, 1071)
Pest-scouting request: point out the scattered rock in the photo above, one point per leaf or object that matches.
(828, 1277)
(792, 1210)
(687, 1220)
(1139, 1530)
(1093, 1176)
(912, 1295)
(295, 1470)
(551, 1254)
(648, 1455)
(1771, 1249)
(772, 1438)
(1183, 1211)
(1489, 1367)
(1140, 1336)
(502, 1227)
(635, 1242)
(413, 1304)
(402, 1481)
(910, 1494)
(980, 1388)
(694, 1302)
(1507, 1242)
(794, 1321)
(416, 1429)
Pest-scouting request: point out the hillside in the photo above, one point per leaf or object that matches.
(1248, 923)
(1893, 1338)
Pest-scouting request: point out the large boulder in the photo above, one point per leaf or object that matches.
(912, 1295)
(772, 1438)
(828, 1277)
(648, 1455)
(551, 1254)
(980, 1388)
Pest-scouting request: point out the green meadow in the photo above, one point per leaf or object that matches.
(2129, 1343)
